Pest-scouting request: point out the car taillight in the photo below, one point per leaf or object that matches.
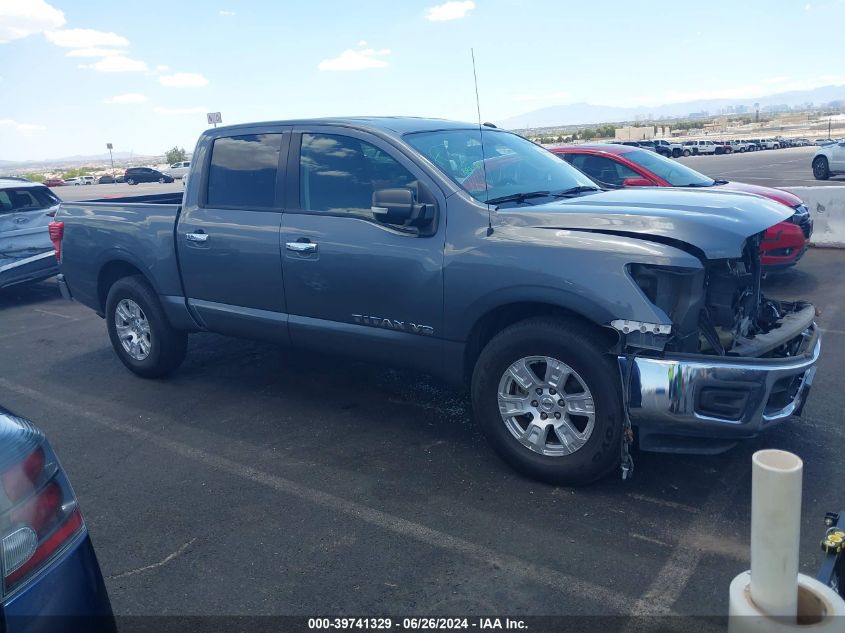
(57, 232)
(38, 512)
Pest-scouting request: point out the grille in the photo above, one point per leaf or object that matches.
(801, 217)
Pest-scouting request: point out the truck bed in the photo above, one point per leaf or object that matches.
(134, 231)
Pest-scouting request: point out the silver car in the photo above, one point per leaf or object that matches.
(26, 252)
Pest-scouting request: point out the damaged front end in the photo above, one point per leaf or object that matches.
(732, 363)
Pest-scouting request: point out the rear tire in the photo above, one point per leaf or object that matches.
(544, 453)
(821, 170)
(130, 181)
(134, 315)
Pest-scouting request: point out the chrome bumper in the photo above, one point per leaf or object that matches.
(720, 397)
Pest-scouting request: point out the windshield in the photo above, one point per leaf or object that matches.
(671, 171)
(513, 165)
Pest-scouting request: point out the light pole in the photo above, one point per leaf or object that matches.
(111, 158)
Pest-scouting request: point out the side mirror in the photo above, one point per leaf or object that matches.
(399, 206)
(637, 181)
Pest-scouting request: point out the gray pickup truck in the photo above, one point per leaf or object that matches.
(575, 315)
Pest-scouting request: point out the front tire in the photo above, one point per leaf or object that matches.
(686, 152)
(548, 397)
(821, 170)
(139, 331)
(161, 181)
(130, 181)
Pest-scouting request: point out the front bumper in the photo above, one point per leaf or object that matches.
(696, 404)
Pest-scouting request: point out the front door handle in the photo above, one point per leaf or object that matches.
(196, 237)
(301, 247)
(21, 220)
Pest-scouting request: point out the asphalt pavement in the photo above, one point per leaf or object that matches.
(788, 167)
(262, 480)
(115, 190)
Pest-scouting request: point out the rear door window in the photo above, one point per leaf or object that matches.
(243, 171)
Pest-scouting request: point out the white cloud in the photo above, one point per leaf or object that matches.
(86, 38)
(183, 80)
(21, 127)
(162, 68)
(227, 13)
(19, 18)
(131, 97)
(361, 59)
(179, 111)
(116, 64)
(93, 52)
(449, 11)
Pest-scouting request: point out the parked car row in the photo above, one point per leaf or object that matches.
(712, 146)
(131, 176)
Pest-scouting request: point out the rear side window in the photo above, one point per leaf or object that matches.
(243, 171)
(26, 199)
(339, 174)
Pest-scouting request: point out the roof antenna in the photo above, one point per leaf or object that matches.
(481, 138)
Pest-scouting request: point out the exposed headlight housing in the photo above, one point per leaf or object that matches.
(679, 292)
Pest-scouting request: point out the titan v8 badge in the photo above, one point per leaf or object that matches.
(393, 324)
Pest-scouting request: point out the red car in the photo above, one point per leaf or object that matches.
(54, 182)
(615, 165)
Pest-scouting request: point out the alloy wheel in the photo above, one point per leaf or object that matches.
(546, 405)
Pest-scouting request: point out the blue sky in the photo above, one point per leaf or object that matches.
(77, 74)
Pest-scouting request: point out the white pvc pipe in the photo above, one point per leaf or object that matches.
(775, 532)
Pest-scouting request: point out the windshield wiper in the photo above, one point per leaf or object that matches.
(519, 197)
(700, 184)
(572, 191)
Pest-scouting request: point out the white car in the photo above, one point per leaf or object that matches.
(81, 180)
(739, 147)
(668, 149)
(769, 143)
(699, 147)
(829, 161)
(178, 170)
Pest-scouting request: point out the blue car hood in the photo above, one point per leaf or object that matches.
(717, 223)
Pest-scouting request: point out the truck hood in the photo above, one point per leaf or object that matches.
(715, 222)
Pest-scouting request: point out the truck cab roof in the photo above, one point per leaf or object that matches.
(393, 125)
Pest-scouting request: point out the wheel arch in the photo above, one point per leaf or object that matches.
(112, 271)
(495, 319)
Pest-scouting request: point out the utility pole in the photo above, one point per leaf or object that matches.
(828, 128)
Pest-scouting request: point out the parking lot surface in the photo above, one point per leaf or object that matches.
(261, 480)
(115, 190)
(788, 167)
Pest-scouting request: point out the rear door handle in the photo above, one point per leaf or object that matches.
(301, 247)
(196, 237)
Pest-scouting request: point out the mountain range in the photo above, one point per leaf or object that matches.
(587, 113)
